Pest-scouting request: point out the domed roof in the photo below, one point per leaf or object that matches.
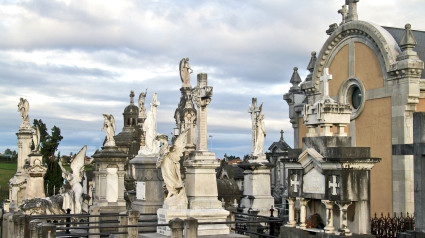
(131, 109)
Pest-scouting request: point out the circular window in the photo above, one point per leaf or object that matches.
(356, 97)
(352, 92)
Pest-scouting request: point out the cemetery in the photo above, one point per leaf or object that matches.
(334, 182)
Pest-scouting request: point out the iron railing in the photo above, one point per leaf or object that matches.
(388, 227)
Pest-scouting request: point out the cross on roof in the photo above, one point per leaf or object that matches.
(281, 135)
(325, 78)
(352, 9)
(131, 97)
(334, 185)
(295, 182)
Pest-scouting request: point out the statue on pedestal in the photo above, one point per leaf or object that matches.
(185, 72)
(36, 138)
(109, 127)
(23, 108)
(142, 110)
(169, 162)
(260, 133)
(73, 198)
(151, 143)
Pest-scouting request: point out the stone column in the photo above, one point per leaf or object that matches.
(329, 228)
(203, 94)
(326, 130)
(133, 219)
(291, 212)
(33, 228)
(303, 212)
(176, 226)
(123, 222)
(191, 228)
(121, 173)
(343, 206)
(24, 147)
(94, 210)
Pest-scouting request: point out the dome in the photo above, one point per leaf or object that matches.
(131, 109)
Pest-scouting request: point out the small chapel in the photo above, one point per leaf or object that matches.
(378, 72)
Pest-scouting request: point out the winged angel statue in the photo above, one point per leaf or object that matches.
(73, 198)
(169, 162)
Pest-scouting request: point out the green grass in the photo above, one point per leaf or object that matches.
(7, 170)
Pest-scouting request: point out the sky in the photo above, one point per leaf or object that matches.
(74, 60)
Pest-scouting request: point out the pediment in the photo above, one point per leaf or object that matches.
(311, 159)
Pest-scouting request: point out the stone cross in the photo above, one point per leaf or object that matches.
(281, 135)
(352, 10)
(334, 185)
(253, 109)
(202, 95)
(296, 183)
(131, 97)
(325, 78)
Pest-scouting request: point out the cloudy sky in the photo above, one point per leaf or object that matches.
(74, 60)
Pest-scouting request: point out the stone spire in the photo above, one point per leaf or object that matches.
(295, 80)
(311, 65)
(352, 10)
(407, 44)
(408, 41)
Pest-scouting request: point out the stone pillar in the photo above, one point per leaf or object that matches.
(94, 210)
(123, 222)
(176, 226)
(133, 219)
(203, 94)
(419, 160)
(326, 130)
(191, 228)
(329, 228)
(343, 206)
(303, 212)
(147, 173)
(24, 147)
(33, 228)
(291, 212)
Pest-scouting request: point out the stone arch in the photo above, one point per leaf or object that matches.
(374, 36)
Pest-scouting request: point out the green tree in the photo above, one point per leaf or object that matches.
(49, 144)
(7, 151)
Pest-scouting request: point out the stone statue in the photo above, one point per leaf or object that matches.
(73, 198)
(109, 127)
(260, 132)
(36, 138)
(23, 108)
(185, 72)
(169, 162)
(151, 146)
(142, 109)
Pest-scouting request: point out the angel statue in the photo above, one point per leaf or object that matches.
(36, 138)
(260, 133)
(73, 198)
(142, 110)
(151, 146)
(185, 72)
(23, 108)
(169, 162)
(109, 127)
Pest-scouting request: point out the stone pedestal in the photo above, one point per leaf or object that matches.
(36, 172)
(202, 215)
(109, 179)
(257, 191)
(149, 191)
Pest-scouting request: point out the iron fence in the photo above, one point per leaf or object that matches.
(388, 227)
(254, 224)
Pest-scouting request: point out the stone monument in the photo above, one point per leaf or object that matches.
(109, 172)
(330, 177)
(149, 192)
(28, 181)
(257, 191)
(200, 183)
